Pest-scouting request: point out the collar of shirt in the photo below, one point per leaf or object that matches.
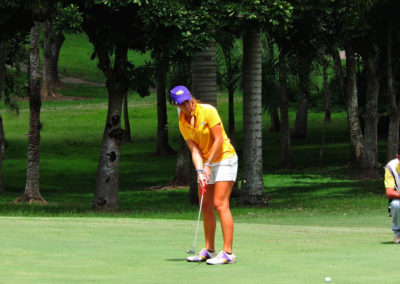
(195, 112)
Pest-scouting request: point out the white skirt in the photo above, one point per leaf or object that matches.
(226, 170)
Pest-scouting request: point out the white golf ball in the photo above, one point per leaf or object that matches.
(328, 279)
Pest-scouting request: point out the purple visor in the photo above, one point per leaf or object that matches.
(179, 94)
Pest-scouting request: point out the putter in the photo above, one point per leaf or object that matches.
(203, 190)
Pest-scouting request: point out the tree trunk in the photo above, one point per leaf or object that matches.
(337, 63)
(393, 136)
(3, 54)
(356, 136)
(182, 170)
(371, 117)
(394, 109)
(204, 88)
(327, 92)
(52, 42)
(252, 191)
(284, 108)
(204, 75)
(107, 180)
(2, 154)
(127, 125)
(300, 127)
(231, 86)
(32, 187)
(163, 147)
(275, 121)
(231, 107)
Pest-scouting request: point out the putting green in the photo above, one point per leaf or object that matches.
(108, 250)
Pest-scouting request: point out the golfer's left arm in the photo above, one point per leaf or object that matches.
(391, 192)
(216, 134)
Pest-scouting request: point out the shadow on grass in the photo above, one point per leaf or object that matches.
(389, 243)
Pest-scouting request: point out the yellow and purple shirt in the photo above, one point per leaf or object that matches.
(206, 118)
(392, 171)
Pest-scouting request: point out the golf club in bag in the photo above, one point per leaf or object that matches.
(203, 190)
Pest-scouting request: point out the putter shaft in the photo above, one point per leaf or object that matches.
(192, 251)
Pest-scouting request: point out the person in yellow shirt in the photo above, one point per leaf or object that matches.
(216, 164)
(392, 180)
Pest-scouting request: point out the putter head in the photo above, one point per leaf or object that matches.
(190, 251)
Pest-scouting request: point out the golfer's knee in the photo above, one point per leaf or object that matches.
(395, 205)
(221, 206)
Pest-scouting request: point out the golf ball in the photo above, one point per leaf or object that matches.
(328, 279)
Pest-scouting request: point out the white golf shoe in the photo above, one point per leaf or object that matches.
(222, 258)
(396, 238)
(203, 255)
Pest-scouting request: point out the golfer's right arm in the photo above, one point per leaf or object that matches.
(196, 156)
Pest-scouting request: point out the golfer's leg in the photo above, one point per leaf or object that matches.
(209, 221)
(395, 212)
(222, 192)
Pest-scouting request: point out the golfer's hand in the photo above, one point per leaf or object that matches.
(203, 180)
(207, 172)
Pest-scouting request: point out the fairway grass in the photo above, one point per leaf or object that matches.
(124, 250)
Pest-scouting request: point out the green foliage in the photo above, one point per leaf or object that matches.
(67, 19)
(18, 50)
(14, 87)
(272, 16)
(141, 79)
(179, 73)
(229, 65)
(116, 4)
(188, 26)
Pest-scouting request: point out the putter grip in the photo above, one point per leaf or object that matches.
(203, 189)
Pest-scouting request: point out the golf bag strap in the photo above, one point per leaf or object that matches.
(395, 182)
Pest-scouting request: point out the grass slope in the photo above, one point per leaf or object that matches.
(75, 60)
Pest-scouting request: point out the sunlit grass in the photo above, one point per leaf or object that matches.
(75, 60)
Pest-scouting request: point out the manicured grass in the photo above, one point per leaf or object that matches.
(102, 250)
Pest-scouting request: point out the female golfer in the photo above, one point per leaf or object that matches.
(216, 164)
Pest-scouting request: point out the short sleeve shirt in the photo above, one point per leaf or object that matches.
(206, 118)
(389, 178)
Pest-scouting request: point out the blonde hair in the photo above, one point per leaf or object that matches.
(196, 101)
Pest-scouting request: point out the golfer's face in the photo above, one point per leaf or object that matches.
(186, 106)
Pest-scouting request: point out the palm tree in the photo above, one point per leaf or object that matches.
(252, 191)
(204, 75)
(204, 88)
